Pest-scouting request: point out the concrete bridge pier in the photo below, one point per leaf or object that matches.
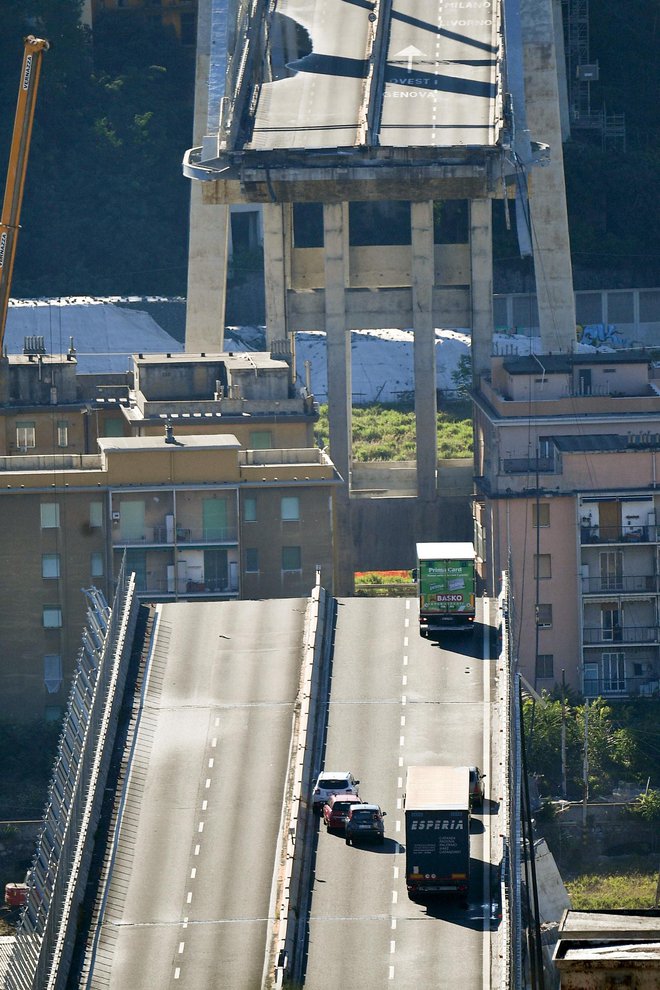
(423, 277)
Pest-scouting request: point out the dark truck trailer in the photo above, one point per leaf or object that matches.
(445, 586)
(437, 810)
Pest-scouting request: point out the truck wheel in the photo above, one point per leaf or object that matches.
(348, 841)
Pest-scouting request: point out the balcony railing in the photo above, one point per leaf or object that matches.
(618, 534)
(622, 687)
(528, 465)
(596, 636)
(623, 584)
(162, 536)
(158, 583)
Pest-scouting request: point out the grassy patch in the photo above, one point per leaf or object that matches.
(387, 433)
(624, 889)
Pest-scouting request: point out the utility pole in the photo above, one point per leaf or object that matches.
(585, 764)
(563, 734)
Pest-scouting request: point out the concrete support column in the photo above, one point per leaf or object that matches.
(423, 278)
(481, 265)
(208, 227)
(338, 339)
(549, 217)
(275, 217)
(338, 343)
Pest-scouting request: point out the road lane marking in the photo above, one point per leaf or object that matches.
(399, 782)
(193, 873)
(406, 622)
(208, 783)
(404, 680)
(396, 872)
(177, 973)
(217, 720)
(210, 762)
(397, 827)
(403, 699)
(405, 640)
(189, 897)
(403, 720)
(392, 946)
(400, 761)
(185, 922)
(395, 896)
(196, 853)
(391, 972)
(393, 924)
(402, 740)
(214, 742)
(200, 827)
(399, 803)
(181, 947)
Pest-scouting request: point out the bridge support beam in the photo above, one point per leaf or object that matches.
(481, 269)
(423, 277)
(276, 219)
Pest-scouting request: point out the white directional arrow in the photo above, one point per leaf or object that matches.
(409, 54)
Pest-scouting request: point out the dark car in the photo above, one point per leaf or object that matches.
(365, 821)
(337, 809)
(476, 787)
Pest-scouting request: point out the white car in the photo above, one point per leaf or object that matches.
(332, 782)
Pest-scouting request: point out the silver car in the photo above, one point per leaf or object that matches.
(332, 782)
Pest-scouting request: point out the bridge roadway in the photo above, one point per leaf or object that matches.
(400, 700)
(188, 897)
(187, 901)
(393, 73)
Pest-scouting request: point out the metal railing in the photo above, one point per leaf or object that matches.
(621, 584)
(623, 687)
(596, 635)
(618, 534)
(45, 935)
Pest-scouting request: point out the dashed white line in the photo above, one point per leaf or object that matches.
(185, 923)
(406, 622)
(205, 805)
(210, 762)
(391, 972)
(405, 640)
(200, 827)
(196, 852)
(399, 803)
(214, 742)
(217, 720)
(405, 661)
(395, 896)
(402, 740)
(189, 897)
(403, 720)
(193, 873)
(396, 872)
(177, 973)
(393, 924)
(400, 761)
(404, 680)
(392, 946)
(181, 947)
(403, 699)
(208, 783)
(397, 827)
(399, 782)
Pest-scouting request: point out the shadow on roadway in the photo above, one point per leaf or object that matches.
(466, 644)
(476, 914)
(388, 848)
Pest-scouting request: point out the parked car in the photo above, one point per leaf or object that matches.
(332, 782)
(476, 787)
(336, 810)
(365, 821)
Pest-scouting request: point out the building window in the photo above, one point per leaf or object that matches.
(291, 559)
(52, 672)
(250, 509)
(614, 673)
(52, 617)
(542, 568)
(290, 508)
(96, 515)
(251, 560)
(540, 514)
(62, 433)
(543, 616)
(50, 565)
(545, 666)
(25, 434)
(113, 428)
(50, 515)
(96, 564)
(261, 439)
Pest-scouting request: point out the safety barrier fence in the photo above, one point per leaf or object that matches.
(41, 955)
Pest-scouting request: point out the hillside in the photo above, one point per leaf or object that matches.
(106, 205)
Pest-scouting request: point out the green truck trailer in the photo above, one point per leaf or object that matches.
(446, 586)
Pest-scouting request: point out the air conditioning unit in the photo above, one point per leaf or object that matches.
(116, 516)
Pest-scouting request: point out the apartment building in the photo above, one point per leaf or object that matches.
(567, 454)
(215, 493)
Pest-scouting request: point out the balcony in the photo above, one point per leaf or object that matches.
(618, 534)
(158, 583)
(529, 465)
(168, 536)
(622, 687)
(621, 585)
(630, 635)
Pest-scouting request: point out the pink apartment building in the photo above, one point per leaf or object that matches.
(567, 458)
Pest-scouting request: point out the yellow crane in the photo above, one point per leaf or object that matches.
(18, 156)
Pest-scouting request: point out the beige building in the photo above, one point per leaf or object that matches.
(566, 460)
(218, 495)
(598, 950)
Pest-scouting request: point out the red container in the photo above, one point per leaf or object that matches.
(15, 894)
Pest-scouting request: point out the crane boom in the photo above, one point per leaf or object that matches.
(16, 170)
